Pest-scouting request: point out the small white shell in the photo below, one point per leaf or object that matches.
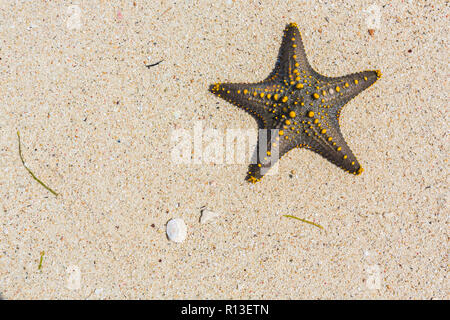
(176, 230)
(208, 216)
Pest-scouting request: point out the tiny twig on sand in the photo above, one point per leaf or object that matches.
(163, 13)
(303, 220)
(153, 64)
(29, 171)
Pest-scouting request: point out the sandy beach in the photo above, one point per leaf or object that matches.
(97, 90)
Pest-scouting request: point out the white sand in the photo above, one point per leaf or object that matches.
(386, 231)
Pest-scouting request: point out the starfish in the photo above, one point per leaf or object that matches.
(300, 107)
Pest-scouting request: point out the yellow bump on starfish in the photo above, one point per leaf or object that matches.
(269, 96)
(379, 74)
(338, 89)
(346, 85)
(299, 86)
(287, 122)
(245, 91)
(252, 179)
(356, 81)
(262, 95)
(339, 149)
(284, 99)
(292, 114)
(316, 96)
(276, 96)
(310, 114)
(323, 131)
(281, 132)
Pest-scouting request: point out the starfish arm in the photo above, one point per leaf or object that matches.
(271, 147)
(253, 98)
(340, 90)
(327, 141)
(292, 59)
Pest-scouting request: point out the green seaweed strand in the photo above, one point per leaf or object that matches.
(303, 220)
(40, 260)
(29, 171)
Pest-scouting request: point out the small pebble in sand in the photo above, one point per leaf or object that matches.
(208, 216)
(176, 230)
(98, 291)
(177, 114)
(371, 32)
